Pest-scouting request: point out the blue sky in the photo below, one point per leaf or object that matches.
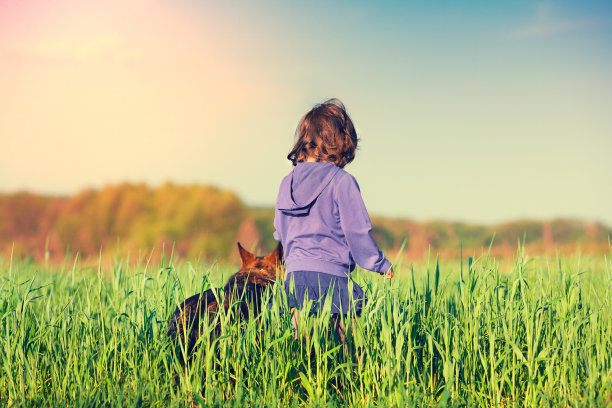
(478, 111)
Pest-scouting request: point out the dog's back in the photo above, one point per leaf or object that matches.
(185, 321)
(247, 285)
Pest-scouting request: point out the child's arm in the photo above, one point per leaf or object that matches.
(356, 226)
(277, 228)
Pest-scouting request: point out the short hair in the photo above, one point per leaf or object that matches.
(326, 133)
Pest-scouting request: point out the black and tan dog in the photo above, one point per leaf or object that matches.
(244, 289)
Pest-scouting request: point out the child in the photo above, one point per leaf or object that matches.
(320, 217)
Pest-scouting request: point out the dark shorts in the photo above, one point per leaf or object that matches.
(316, 286)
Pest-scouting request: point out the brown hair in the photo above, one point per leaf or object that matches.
(326, 133)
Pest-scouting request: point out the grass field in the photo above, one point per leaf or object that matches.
(531, 332)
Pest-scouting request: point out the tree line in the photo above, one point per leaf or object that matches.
(204, 222)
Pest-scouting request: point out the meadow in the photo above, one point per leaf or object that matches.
(530, 331)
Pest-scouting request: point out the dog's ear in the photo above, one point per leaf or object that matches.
(276, 257)
(245, 255)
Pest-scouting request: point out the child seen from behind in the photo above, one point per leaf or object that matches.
(321, 219)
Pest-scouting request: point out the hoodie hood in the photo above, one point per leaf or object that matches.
(304, 185)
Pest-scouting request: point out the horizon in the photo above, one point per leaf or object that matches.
(474, 113)
(271, 206)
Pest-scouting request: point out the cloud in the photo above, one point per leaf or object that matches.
(546, 23)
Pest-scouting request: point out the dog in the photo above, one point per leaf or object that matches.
(245, 286)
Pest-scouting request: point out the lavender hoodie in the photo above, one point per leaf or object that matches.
(323, 224)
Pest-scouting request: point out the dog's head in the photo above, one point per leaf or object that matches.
(264, 265)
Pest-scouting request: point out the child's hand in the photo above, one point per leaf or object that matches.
(389, 274)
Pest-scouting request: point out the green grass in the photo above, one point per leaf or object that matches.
(534, 332)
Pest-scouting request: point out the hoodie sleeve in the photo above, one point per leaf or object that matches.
(277, 218)
(356, 226)
(276, 233)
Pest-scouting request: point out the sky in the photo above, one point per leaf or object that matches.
(481, 112)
